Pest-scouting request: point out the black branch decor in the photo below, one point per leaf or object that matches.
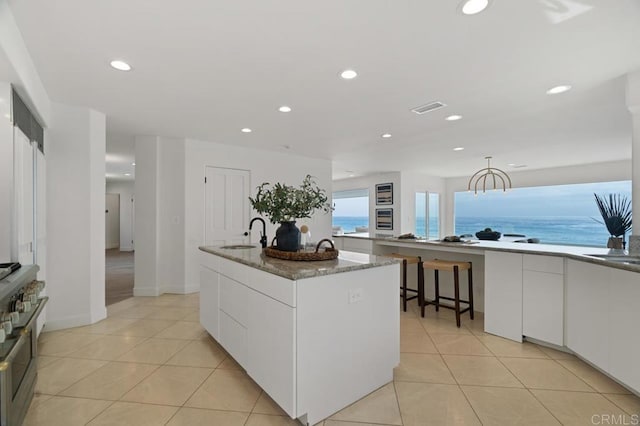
(616, 213)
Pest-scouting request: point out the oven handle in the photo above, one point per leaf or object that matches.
(24, 334)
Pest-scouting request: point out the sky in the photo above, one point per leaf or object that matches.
(558, 200)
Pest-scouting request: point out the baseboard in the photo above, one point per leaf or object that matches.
(52, 324)
(126, 248)
(146, 292)
(188, 289)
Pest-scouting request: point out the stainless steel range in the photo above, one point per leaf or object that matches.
(20, 306)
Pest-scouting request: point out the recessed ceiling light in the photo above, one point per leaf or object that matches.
(453, 117)
(351, 175)
(246, 130)
(7, 116)
(386, 135)
(127, 174)
(559, 89)
(284, 108)
(348, 74)
(471, 7)
(120, 65)
(459, 148)
(511, 164)
(133, 164)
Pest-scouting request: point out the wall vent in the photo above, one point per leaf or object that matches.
(423, 109)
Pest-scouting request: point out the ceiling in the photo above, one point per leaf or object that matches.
(205, 69)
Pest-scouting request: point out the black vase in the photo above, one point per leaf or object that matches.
(288, 236)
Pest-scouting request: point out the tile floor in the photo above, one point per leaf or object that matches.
(150, 363)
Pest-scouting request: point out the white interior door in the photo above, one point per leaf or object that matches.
(24, 193)
(112, 221)
(226, 206)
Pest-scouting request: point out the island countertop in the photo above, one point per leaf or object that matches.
(581, 253)
(296, 270)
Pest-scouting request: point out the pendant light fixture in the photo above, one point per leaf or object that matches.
(497, 178)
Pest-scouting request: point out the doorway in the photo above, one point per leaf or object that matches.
(112, 221)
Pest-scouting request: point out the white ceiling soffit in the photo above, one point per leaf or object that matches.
(204, 70)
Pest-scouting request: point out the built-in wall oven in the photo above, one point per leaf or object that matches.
(20, 306)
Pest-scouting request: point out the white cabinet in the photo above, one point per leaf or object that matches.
(272, 348)
(209, 301)
(602, 319)
(624, 323)
(503, 294)
(587, 311)
(298, 339)
(543, 298)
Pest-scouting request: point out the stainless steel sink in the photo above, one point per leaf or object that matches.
(632, 260)
(238, 246)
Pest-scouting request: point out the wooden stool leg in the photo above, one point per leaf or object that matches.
(437, 282)
(456, 284)
(470, 290)
(404, 284)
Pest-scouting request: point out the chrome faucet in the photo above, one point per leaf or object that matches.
(263, 234)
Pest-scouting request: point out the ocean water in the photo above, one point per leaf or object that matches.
(568, 230)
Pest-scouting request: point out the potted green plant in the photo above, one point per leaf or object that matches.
(616, 216)
(284, 204)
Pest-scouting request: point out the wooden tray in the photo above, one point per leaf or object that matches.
(328, 253)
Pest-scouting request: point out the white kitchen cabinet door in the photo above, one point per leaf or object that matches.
(543, 306)
(587, 311)
(233, 337)
(503, 294)
(271, 359)
(210, 301)
(624, 323)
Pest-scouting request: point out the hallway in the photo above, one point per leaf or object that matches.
(118, 275)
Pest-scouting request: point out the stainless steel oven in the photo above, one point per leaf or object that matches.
(19, 350)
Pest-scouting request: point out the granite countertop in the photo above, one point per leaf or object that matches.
(296, 270)
(573, 252)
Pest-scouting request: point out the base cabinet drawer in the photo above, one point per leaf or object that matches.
(209, 297)
(543, 306)
(233, 337)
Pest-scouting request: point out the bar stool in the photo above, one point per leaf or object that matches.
(409, 260)
(455, 267)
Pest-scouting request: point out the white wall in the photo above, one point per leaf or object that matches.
(265, 166)
(171, 214)
(27, 83)
(159, 216)
(126, 190)
(75, 219)
(599, 172)
(6, 173)
(146, 216)
(370, 182)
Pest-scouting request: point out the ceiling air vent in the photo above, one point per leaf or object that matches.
(428, 107)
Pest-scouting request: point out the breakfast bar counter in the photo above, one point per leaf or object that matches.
(581, 299)
(316, 336)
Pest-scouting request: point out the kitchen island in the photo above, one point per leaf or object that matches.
(316, 336)
(569, 297)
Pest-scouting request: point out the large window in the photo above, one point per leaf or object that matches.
(561, 214)
(428, 215)
(351, 212)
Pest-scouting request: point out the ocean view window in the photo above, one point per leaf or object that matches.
(351, 212)
(559, 214)
(428, 215)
